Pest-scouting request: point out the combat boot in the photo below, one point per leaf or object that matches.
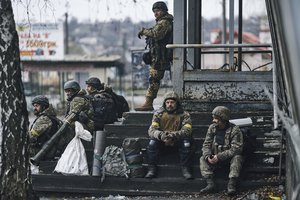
(148, 105)
(231, 187)
(210, 186)
(151, 171)
(186, 172)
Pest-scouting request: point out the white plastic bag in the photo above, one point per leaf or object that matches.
(34, 169)
(73, 160)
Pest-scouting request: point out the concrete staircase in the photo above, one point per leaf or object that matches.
(261, 169)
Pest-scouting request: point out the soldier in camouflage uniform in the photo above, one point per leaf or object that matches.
(159, 34)
(171, 126)
(43, 127)
(93, 86)
(223, 146)
(79, 105)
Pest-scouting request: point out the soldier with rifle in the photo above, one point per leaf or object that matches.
(157, 38)
(79, 109)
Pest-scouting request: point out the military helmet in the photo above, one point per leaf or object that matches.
(72, 85)
(95, 82)
(222, 112)
(41, 100)
(160, 5)
(171, 95)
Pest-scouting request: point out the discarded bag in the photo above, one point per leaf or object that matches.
(73, 160)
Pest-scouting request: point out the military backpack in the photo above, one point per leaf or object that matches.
(105, 110)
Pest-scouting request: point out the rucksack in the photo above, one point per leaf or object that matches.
(249, 142)
(113, 162)
(121, 104)
(105, 111)
(133, 155)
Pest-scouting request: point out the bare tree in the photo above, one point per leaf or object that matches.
(14, 171)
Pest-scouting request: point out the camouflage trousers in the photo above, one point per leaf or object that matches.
(154, 82)
(235, 166)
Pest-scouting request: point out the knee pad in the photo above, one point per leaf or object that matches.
(153, 144)
(187, 143)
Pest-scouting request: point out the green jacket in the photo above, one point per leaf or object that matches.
(160, 33)
(233, 143)
(42, 124)
(79, 105)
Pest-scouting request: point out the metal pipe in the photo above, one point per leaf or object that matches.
(173, 46)
(226, 51)
(275, 92)
(98, 152)
(231, 34)
(240, 34)
(224, 27)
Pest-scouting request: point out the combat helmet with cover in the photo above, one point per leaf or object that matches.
(222, 112)
(72, 85)
(94, 82)
(160, 5)
(171, 95)
(41, 100)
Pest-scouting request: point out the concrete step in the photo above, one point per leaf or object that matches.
(141, 130)
(200, 118)
(87, 185)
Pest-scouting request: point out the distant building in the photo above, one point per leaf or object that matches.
(250, 60)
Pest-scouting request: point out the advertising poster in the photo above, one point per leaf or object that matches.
(41, 41)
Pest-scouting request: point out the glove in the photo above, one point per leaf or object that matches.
(140, 34)
(163, 136)
(83, 117)
(167, 138)
(169, 141)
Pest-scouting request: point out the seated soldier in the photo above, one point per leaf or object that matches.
(43, 127)
(223, 146)
(171, 126)
(79, 108)
(108, 106)
(105, 108)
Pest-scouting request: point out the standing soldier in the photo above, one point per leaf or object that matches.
(43, 127)
(223, 145)
(160, 35)
(79, 107)
(171, 126)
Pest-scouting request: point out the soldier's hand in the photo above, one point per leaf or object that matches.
(163, 135)
(169, 141)
(140, 34)
(213, 159)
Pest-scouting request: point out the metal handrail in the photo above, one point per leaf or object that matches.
(173, 46)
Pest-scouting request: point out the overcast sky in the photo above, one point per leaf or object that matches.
(105, 10)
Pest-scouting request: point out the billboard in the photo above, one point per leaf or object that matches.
(41, 41)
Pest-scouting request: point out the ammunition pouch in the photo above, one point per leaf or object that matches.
(147, 58)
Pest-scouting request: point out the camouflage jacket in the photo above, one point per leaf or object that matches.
(182, 127)
(81, 106)
(160, 34)
(233, 143)
(42, 124)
